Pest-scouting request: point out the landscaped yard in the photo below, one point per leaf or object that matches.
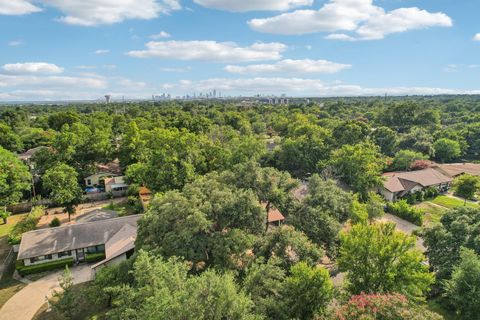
(452, 202)
(9, 286)
(433, 213)
(12, 220)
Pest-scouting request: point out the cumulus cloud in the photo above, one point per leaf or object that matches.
(477, 37)
(210, 51)
(253, 5)
(362, 18)
(94, 12)
(31, 68)
(17, 7)
(288, 66)
(160, 35)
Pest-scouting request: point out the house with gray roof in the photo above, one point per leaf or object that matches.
(78, 240)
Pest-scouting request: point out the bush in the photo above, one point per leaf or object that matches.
(55, 222)
(92, 257)
(431, 192)
(382, 306)
(26, 224)
(47, 266)
(403, 210)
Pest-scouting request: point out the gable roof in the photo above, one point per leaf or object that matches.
(404, 181)
(70, 237)
(123, 241)
(456, 169)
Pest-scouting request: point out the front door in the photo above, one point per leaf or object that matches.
(80, 255)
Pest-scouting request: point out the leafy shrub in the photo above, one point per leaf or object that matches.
(431, 192)
(55, 222)
(47, 266)
(403, 210)
(382, 306)
(26, 224)
(91, 257)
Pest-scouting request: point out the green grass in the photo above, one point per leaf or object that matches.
(123, 208)
(433, 213)
(12, 220)
(450, 202)
(8, 285)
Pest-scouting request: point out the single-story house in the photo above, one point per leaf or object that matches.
(399, 184)
(116, 184)
(457, 169)
(98, 179)
(76, 240)
(118, 248)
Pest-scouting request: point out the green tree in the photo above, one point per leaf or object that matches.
(164, 290)
(60, 182)
(4, 215)
(208, 223)
(308, 291)
(404, 158)
(447, 150)
(289, 246)
(379, 259)
(458, 228)
(462, 290)
(9, 139)
(15, 178)
(359, 166)
(386, 139)
(66, 304)
(466, 186)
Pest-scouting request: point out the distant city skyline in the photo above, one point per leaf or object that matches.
(85, 50)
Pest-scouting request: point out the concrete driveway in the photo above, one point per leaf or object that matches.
(404, 226)
(25, 303)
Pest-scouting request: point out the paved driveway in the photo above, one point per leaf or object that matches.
(404, 226)
(25, 303)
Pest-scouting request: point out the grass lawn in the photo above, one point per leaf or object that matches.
(12, 220)
(450, 202)
(433, 213)
(9, 286)
(123, 208)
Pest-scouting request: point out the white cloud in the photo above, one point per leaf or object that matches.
(85, 67)
(32, 68)
(210, 51)
(477, 37)
(288, 66)
(160, 35)
(253, 5)
(109, 66)
(102, 51)
(15, 43)
(17, 7)
(94, 12)
(98, 12)
(451, 68)
(178, 70)
(300, 87)
(56, 82)
(361, 17)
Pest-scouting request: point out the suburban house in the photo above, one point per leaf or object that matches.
(98, 179)
(78, 241)
(116, 184)
(440, 176)
(275, 217)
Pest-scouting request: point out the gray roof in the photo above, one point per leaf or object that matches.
(122, 242)
(96, 215)
(70, 237)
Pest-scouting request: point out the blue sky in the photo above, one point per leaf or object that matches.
(83, 49)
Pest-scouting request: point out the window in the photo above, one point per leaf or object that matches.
(95, 249)
(64, 253)
(89, 182)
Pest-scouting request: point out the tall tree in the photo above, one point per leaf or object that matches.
(466, 186)
(447, 149)
(404, 159)
(359, 166)
(15, 178)
(462, 290)
(379, 259)
(61, 184)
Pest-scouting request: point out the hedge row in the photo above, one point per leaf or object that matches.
(403, 210)
(47, 266)
(92, 257)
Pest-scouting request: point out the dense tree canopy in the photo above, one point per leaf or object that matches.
(15, 179)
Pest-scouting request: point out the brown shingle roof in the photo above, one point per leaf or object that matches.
(404, 181)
